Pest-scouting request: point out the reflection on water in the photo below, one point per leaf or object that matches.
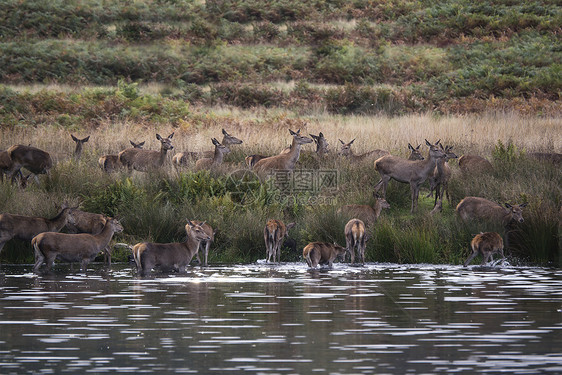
(283, 320)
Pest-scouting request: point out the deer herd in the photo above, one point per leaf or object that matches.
(88, 233)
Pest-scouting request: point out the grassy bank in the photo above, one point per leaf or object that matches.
(153, 206)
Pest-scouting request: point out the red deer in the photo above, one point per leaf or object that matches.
(485, 244)
(356, 239)
(204, 245)
(216, 160)
(82, 247)
(27, 227)
(321, 144)
(169, 256)
(346, 151)
(253, 159)
(414, 172)
(87, 222)
(144, 160)
(285, 161)
(182, 158)
(469, 164)
(368, 214)
(322, 253)
(110, 163)
(33, 159)
(439, 179)
(79, 146)
(274, 233)
(415, 153)
(475, 208)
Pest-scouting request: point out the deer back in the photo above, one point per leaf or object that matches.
(474, 164)
(31, 158)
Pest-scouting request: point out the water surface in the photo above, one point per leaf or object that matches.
(264, 319)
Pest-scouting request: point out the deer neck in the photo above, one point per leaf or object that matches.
(218, 156)
(105, 235)
(55, 224)
(163, 152)
(377, 207)
(192, 244)
(78, 150)
(293, 154)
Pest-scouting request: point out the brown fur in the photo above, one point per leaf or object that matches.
(475, 208)
(144, 160)
(274, 233)
(368, 214)
(356, 239)
(407, 171)
(552, 157)
(285, 161)
(27, 227)
(485, 244)
(415, 153)
(110, 163)
(204, 245)
(439, 179)
(322, 253)
(208, 163)
(167, 256)
(33, 159)
(79, 146)
(474, 164)
(82, 247)
(321, 144)
(346, 151)
(183, 158)
(87, 222)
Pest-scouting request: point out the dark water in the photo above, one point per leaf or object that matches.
(261, 319)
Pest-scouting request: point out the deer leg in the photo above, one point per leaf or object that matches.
(472, 256)
(39, 258)
(382, 183)
(415, 192)
(207, 246)
(107, 255)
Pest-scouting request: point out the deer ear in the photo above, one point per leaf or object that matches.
(410, 147)
(224, 132)
(158, 137)
(507, 205)
(215, 142)
(171, 135)
(74, 138)
(292, 132)
(141, 144)
(427, 143)
(342, 142)
(417, 148)
(523, 205)
(320, 135)
(353, 140)
(86, 139)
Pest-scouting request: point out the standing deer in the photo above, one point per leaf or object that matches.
(285, 161)
(167, 256)
(182, 158)
(415, 153)
(87, 222)
(485, 244)
(322, 253)
(414, 172)
(470, 164)
(27, 227)
(346, 151)
(204, 245)
(368, 214)
(144, 160)
(79, 145)
(439, 179)
(6, 166)
(82, 247)
(33, 159)
(356, 239)
(208, 163)
(475, 208)
(553, 157)
(110, 163)
(274, 233)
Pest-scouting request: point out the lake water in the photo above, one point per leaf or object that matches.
(264, 319)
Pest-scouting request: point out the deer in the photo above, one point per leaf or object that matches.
(144, 160)
(87, 222)
(321, 144)
(439, 179)
(31, 158)
(323, 253)
(414, 172)
(368, 214)
(356, 238)
(415, 153)
(110, 163)
(208, 163)
(552, 157)
(485, 244)
(79, 146)
(346, 151)
(470, 164)
(81, 247)
(286, 161)
(204, 245)
(274, 233)
(182, 158)
(166, 256)
(476, 208)
(26, 227)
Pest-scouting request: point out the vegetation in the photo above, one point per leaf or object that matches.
(482, 76)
